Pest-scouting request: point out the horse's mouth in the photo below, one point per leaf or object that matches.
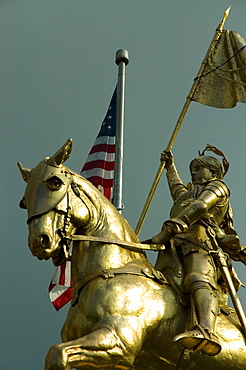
(58, 257)
(43, 248)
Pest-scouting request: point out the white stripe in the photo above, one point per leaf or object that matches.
(104, 156)
(101, 189)
(99, 172)
(56, 276)
(68, 274)
(104, 140)
(57, 291)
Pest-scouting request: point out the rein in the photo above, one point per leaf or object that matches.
(152, 247)
(132, 245)
(67, 239)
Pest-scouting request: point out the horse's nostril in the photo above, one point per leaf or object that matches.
(44, 241)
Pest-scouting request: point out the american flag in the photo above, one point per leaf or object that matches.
(99, 165)
(60, 288)
(99, 169)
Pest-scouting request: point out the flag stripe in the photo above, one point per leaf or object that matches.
(108, 166)
(110, 140)
(106, 191)
(106, 183)
(100, 156)
(104, 147)
(59, 297)
(99, 173)
(56, 278)
(62, 274)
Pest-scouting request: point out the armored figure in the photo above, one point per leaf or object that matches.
(200, 218)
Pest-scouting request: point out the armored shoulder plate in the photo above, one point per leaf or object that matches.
(218, 187)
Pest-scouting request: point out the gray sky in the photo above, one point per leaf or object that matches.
(57, 76)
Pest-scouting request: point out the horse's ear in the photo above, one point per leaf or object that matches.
(25, 172)
(62, 154)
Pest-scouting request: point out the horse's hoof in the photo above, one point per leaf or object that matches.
(198, 340)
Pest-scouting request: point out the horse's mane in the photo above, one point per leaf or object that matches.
(100, 207)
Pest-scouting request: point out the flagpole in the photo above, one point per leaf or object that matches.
(122, 59)
(189, 98)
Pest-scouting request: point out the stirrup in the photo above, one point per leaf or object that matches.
(199, 339)
(212, 346)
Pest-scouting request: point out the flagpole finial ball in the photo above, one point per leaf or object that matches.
(122, 56)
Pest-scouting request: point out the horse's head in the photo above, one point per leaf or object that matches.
(48, 205)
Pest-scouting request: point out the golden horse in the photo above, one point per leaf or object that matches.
(123, 314)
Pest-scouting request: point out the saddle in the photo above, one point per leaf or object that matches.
(168, 262)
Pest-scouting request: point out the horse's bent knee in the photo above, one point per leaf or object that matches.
(56, 359)
(103, 346)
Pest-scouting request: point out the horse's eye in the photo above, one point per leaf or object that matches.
(54, 183)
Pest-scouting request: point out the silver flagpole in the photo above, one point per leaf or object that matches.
(122, 59)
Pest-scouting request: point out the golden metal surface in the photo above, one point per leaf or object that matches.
(119, 321)
(208, 91)
(222, 84)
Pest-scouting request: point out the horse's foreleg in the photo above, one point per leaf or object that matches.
(100, 349)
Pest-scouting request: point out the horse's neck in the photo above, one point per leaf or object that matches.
(89, 258)
(104, 221)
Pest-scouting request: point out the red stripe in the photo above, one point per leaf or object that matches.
(63, 299)
(51, 286)
(107, 193)
(62, 274)
(108, 148)
(109, 166)
(96, 181)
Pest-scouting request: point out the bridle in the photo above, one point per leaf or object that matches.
(63, 232)
(67, 239)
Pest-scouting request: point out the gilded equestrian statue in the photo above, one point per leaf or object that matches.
(124, 312)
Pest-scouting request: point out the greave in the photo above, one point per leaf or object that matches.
(207, 308)
(202, 337)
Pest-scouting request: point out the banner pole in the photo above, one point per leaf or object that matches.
(159, 173)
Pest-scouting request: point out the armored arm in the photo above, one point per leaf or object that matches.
(175, 183)
(196, 209)
(191, 210)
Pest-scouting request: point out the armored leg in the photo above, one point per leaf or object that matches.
(202, 337)
(206, 308)
(201, 286)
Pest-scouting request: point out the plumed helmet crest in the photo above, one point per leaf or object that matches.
(211, 162)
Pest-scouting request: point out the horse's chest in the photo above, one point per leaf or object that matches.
(112, 302)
